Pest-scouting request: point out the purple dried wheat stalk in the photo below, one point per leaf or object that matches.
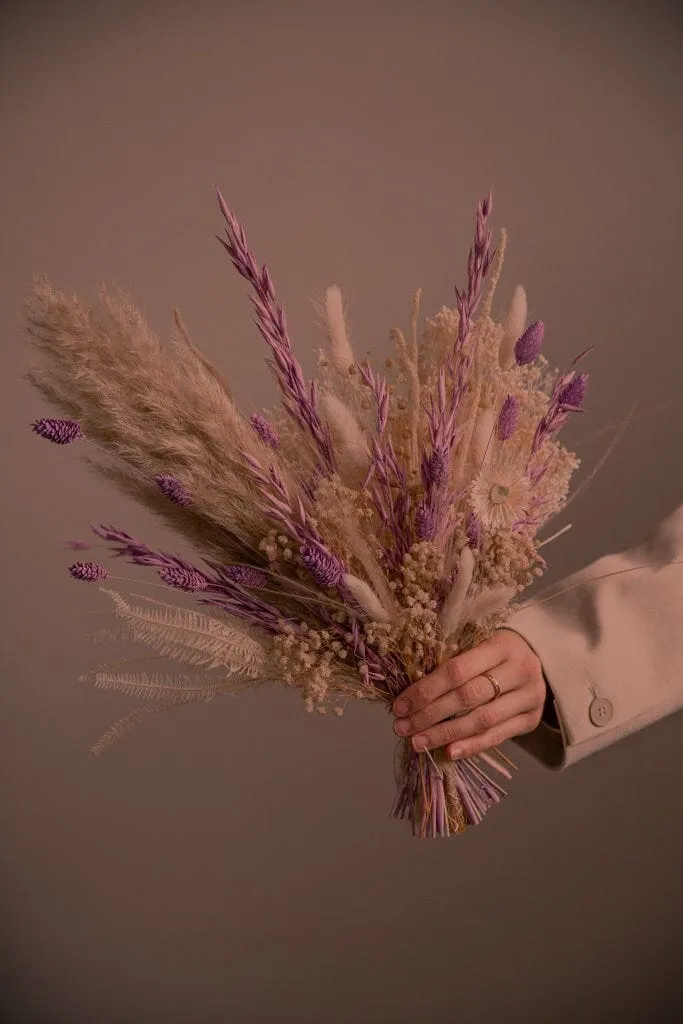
(229, 595)
(299, 401)
(442, 414)
(567, 396)
(474, 531)
(265, 430)
(173, 489)
(325, 567)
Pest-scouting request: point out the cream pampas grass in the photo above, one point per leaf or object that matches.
(513, 326)
(352, 445)
(340, 351)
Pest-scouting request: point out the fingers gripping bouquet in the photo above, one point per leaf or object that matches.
(375, 525)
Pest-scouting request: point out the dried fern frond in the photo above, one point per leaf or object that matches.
(191, 637)
(160, 687)
(128, 722)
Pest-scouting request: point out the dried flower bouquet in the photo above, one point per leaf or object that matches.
(376, 524)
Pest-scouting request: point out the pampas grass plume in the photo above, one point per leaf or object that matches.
(366, 598)
(350, 440)
(341, 353)
(513, 326)
(449, 616)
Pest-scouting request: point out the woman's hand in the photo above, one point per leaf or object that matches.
(458, 687)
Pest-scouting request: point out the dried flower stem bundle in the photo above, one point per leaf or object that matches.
(351, 540)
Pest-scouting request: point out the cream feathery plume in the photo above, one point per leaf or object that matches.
(495, 276)
(341, 353)
(134, 397)
(366, 598)
(487, 603)
(450, 614)
(481, 441)
(359, 546)
(350, 440)
(414, 317)
(513, 327)
(407, 357)
(183, 344)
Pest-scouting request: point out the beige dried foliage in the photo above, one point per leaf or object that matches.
(151, 406)
(141, 403)
(190, 636)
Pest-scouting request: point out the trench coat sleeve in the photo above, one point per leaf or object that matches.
(611, 650)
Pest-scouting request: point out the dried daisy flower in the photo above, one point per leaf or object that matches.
(500, 495)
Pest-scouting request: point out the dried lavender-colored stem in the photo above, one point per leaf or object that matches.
(299, 400)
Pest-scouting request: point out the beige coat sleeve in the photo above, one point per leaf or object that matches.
(612, 650)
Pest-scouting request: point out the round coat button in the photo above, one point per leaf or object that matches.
(601, 711)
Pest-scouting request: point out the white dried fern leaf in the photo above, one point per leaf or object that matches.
(189, 636)
(128, 722)
(159, 686)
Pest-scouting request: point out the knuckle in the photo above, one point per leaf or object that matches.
(488, 719)
(423, 719)
(497, 737)
(421, 695)
(454, 670)
(469, 695)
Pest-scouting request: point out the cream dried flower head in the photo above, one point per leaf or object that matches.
(500, 494)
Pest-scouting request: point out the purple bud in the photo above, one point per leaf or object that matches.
(183, 579)
(58, 431)
(425, 521)
(88, 571)
(173, 489)
(507, 418)
(437, 467)
(529, 344)
(474, 531)
(265, 430)
(246, 576)
(325, 568)
(573, 393)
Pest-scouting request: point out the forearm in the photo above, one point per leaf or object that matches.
(611, 648)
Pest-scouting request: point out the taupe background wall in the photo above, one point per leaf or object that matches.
(235, 862)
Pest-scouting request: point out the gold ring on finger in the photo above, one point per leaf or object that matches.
(494, 682)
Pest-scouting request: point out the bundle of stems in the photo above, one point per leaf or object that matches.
(376, 523)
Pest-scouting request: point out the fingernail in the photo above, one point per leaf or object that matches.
(456, 752)
(402, 727)
(419, 743)
(401, 707)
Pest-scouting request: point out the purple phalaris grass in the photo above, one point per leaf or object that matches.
(58, 431)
